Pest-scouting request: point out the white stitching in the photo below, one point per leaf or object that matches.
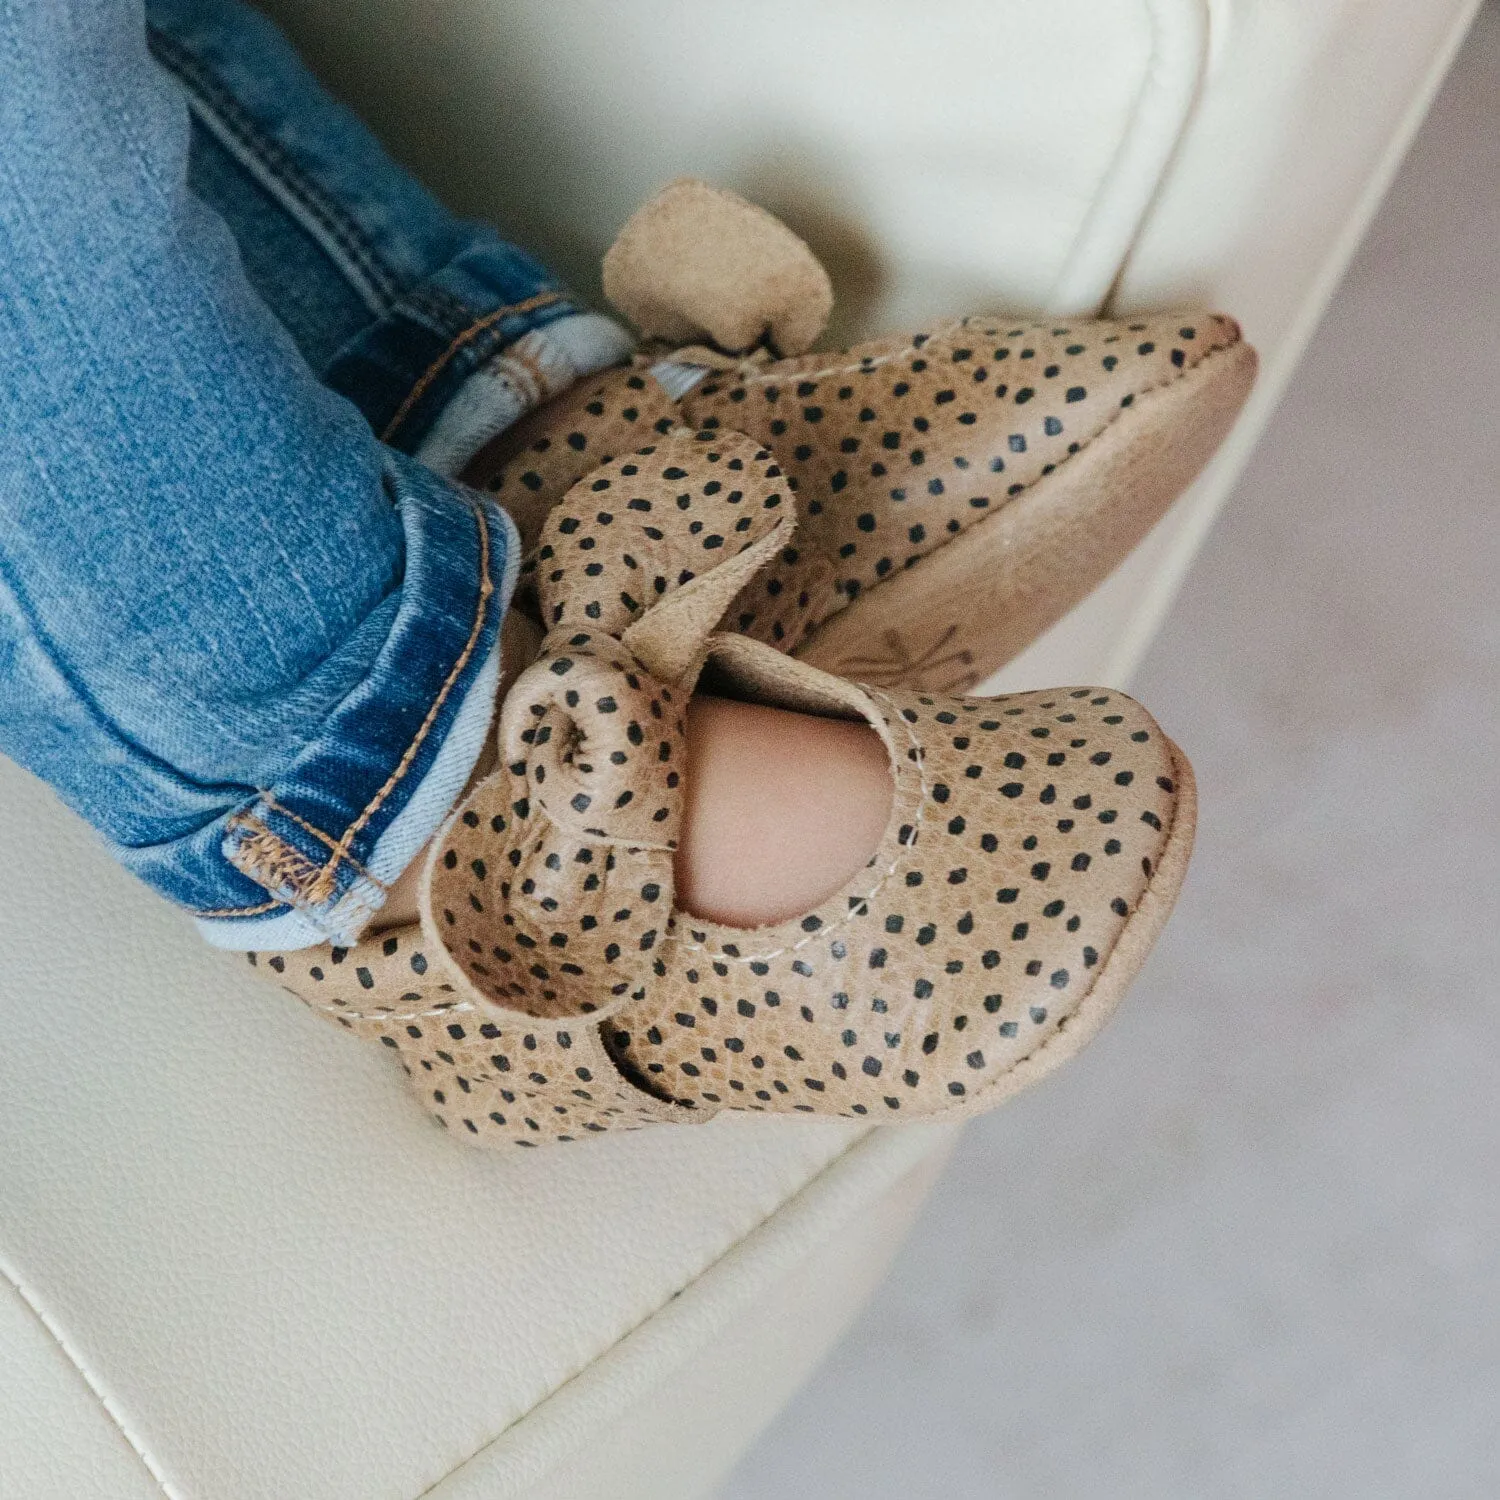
(960, 325)
(385, 1015)
(63, 1344)
(905, 849)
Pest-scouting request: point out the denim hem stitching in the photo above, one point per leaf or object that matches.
(328, 843)
(467, 335)
(242, 911)
(486, 593)
(268, 859)
(311, 883)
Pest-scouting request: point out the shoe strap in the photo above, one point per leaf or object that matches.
(488, 1074)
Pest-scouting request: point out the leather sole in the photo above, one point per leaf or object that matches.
(958, 615)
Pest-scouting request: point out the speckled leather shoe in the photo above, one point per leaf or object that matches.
(960, 487)
(1034, 847)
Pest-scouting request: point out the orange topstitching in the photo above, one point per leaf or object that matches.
(542, 299)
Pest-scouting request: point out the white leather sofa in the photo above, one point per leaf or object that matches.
(220, 1280)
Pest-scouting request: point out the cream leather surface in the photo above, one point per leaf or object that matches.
(281, 1291)
(221, 1281)
(57, 1441)
(1305, 112)
(935, 157)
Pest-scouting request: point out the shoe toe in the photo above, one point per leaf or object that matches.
(901, 445)
(1035, 847)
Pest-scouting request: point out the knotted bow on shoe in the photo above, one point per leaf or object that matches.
(551, 884)
(583, 813)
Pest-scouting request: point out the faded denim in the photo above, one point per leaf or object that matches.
(247, 628)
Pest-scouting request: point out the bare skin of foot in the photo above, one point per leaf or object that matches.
(782, 808)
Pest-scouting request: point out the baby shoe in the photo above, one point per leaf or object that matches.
(960, 488)
(553, 988)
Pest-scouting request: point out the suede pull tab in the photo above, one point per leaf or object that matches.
(699, 264)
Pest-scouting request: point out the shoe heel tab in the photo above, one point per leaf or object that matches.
(696, 263)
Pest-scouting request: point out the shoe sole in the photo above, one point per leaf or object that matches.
(1120, 967)
(959, 614)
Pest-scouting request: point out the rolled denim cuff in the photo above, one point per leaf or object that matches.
(474, 347)
(311, 858)
(517, 379)
(441, 332)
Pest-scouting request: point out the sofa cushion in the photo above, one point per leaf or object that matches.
(276, 1273)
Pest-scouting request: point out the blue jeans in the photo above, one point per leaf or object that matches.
(248, 623)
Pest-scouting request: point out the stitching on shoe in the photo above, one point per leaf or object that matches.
(386, 1015)
(515, 309)
(901, 856)
(766, 378)
(1175, 378)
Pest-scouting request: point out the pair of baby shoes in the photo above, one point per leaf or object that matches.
(957, 491)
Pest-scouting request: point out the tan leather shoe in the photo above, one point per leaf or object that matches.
(1034, 847)
(960, 488)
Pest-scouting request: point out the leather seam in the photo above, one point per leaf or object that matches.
(762, 377)
(61, 1344)
(903, 856)
(339, 1014)
(1176, 378)
(1163, 88)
